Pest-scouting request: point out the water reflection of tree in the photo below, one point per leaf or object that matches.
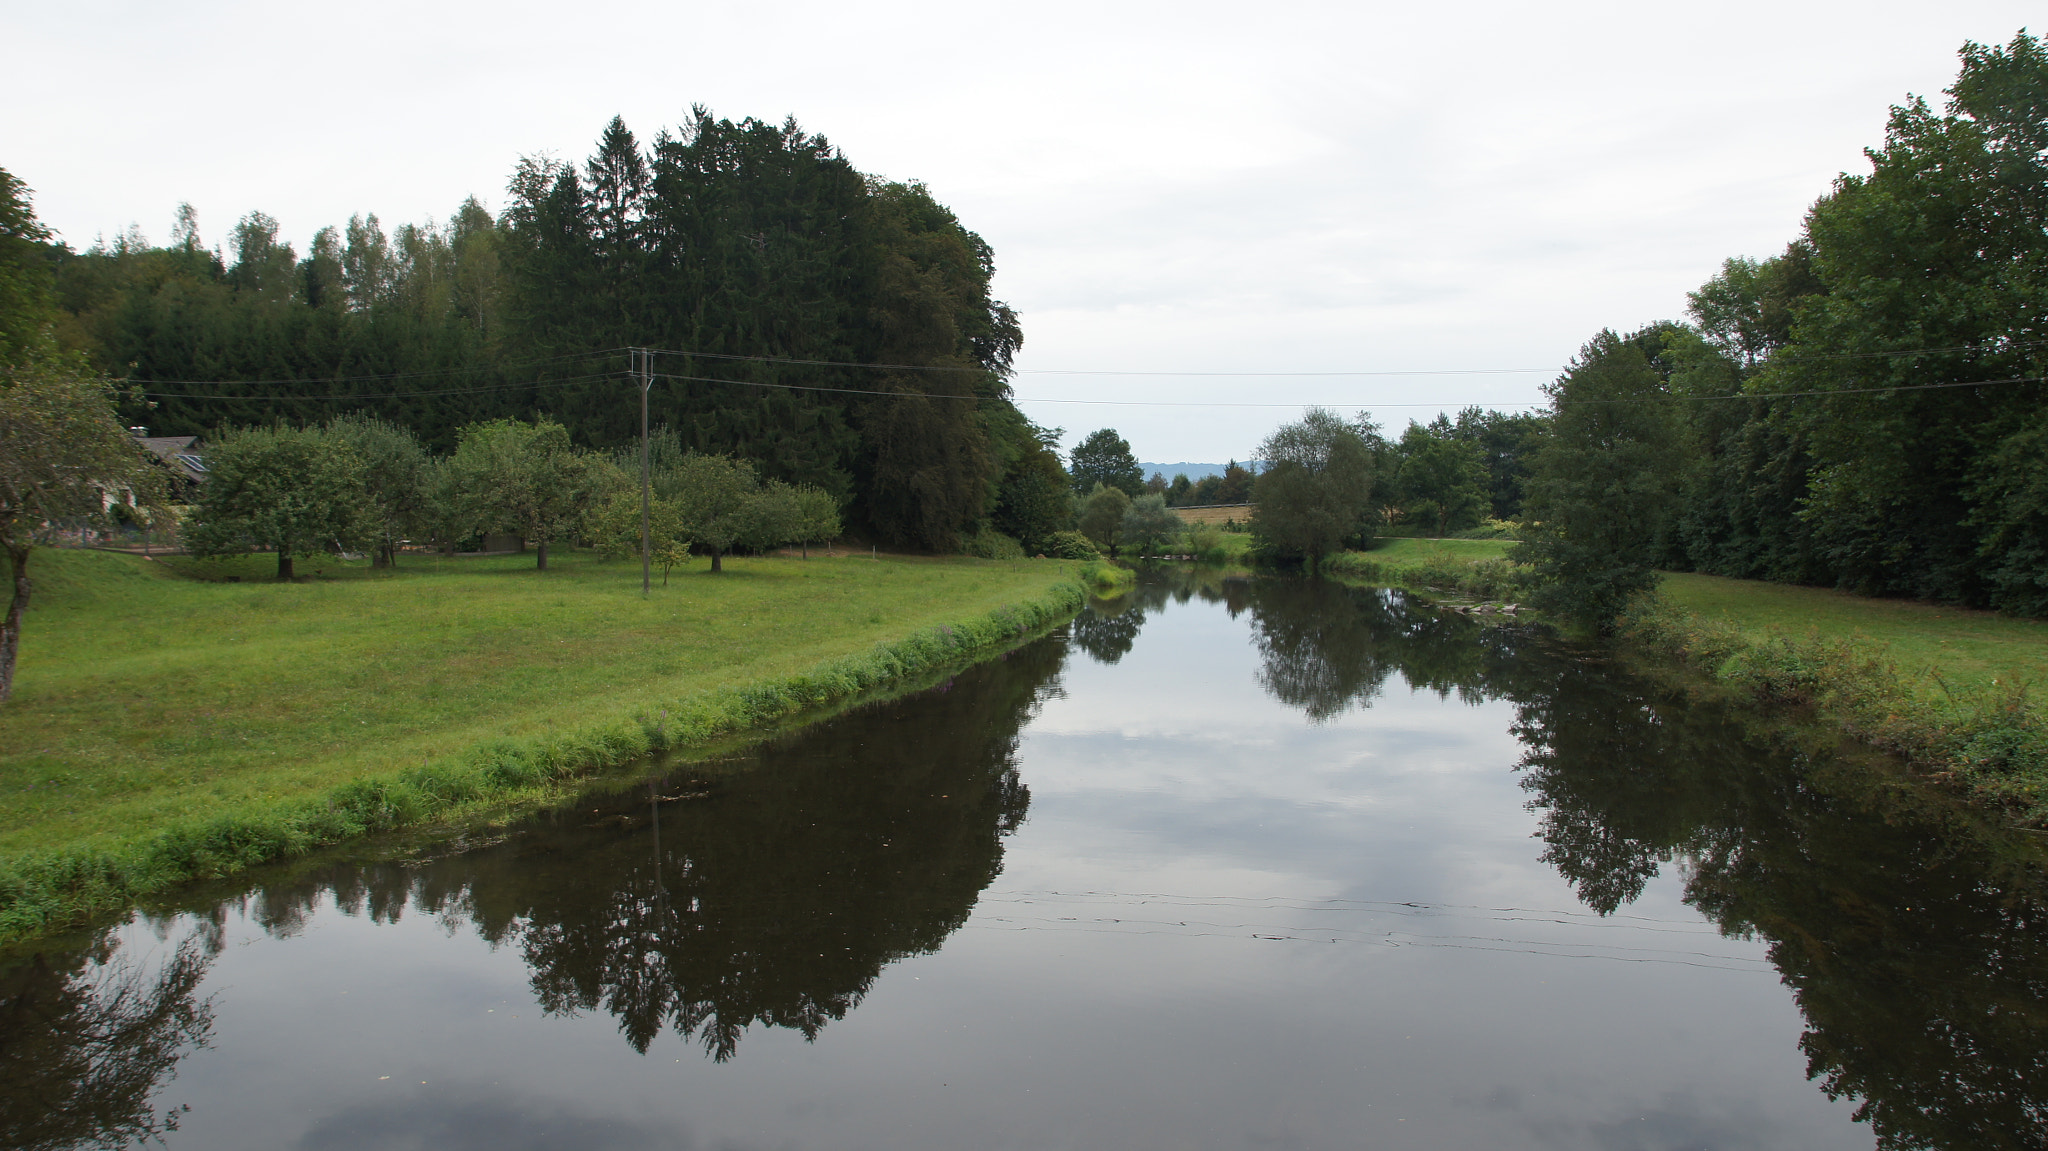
(1327, 648)
(87, 1040)
(771, 891)
(1911, 933)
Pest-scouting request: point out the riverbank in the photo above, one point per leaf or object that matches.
(1951, 690)
(165, 728)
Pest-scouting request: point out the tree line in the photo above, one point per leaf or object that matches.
(360, 484)
(753, 251)
(1864, 410)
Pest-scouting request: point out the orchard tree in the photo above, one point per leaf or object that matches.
(398, 480)
(63, 452)
(716, 495)
(513, 476)
(1316, 490)
(295, 491)
(1105, 458)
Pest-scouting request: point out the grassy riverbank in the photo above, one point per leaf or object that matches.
(1954, 691)
(164, 728)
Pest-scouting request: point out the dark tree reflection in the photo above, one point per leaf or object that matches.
(1912, 931)
(88, 1039)
(771, 889)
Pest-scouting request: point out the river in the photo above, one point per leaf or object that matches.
(1230, 863)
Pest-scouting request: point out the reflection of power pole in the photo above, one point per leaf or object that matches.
(645, 359)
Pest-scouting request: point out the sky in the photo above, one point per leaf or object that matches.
(1207, 215)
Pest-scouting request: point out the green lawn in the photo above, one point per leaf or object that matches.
(1404, 551)
(1965, 648)
(143, 697)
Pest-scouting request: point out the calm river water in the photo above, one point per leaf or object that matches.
(1231, 864)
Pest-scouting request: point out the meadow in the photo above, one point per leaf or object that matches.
(152, 694)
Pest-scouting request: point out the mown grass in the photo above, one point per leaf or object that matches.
(164, 727)
(1938, 649)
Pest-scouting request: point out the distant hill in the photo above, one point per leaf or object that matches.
(1192, 471)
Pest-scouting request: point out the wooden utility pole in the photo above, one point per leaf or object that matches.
(644, 360)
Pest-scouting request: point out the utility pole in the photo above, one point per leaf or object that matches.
(645, 361)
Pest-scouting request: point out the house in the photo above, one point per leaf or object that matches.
(180, 457)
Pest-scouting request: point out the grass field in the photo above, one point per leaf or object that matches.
(1930, 643)
(1242, 513)
(143, 699)
(1401, 550)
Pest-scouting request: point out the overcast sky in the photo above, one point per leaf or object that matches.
(1169, 188)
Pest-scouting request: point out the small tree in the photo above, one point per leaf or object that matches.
(813, 515)
(398, 480)
(513, 476)
(614, 528)
(715, 495)
(295, 491)
(1102, 516)
(1149, 522)
(62, 453)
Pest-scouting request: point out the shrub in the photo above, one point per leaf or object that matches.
(990, 544)
(1071, 546)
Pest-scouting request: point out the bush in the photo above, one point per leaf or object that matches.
(1071, 546)
(990, 544)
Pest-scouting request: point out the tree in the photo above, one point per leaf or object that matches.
(1105, 458)
(62, 453)
(715, 495)
(527, 478)
(398, 489)
(28, 303)
(813, 516)
(1234, 486)
(1102, 516)
(1148, 522)
(1604, 476)
(1439, 477)
(291, 490)
(1316, 490)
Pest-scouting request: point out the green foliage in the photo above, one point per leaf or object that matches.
(1070, 546)
(62, 453)
(1602, 493)
(1316, 492)
(717, 498)
(1104, 459)
(511, 476)
(28, 298)
(1102, 516)
(990, 544)
(614, 528)
(399, 480)
(1149, 523)
(1035, 498)
(1440, 478)
(295, 491)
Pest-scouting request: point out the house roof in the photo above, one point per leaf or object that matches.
(178, 453)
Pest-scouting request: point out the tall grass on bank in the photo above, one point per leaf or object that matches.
(170, 729)
(1985, 735)
(1474, 568)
